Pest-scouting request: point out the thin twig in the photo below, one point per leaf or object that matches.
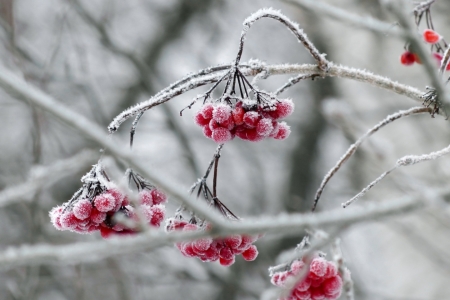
(352, 149)
(295, 80)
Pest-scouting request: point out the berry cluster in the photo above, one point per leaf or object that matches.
(322, 281)
(430, 36)
(248, 120)
(95, 205)
(208, 249)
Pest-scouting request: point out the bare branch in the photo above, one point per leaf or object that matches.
(352, 149)
(42, 176)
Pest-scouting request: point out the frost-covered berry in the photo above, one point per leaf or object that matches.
(221, 135)
(97, 216)
(430, 36)
(158, 196)
(82, 209)
(283, 132)
(221, 113)
(226, 262)
(146, 198)
(207, 111)
(407, 58)
(200, 119)
(264, 127)
(284, 108)
(207, 132)
(158, 213)
(238, 115)
(251, 253)
(233, 241)
(55, 217)
(318, 266)
(105, 202)
(68, 220)
(251, 119)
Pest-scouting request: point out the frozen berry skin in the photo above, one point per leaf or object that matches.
(105, 202)
(251, 119)
(82, 209)
(250, 254)
(146, 198)
(207, 132)
(221, 113)
(407, 58)
(226, 262)
(158, 196)
(200, 119)
(238, 115)
(283, 131)
(221, 135)
(264, 127)
(430, 36)
(284, 108)
(207, 111)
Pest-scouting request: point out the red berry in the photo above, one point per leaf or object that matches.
(331, 270)
(55, 217)
(82, 209)
(233, 241)
(200, 119)
(97, 216)
(68, 220)
(221, 135)
(318, 266)
(221, 113)
(226, 253)
(250, 254)
(105, 202)
(285, 108)
(264, 127)
(106, 232)
(158, 196)
(158, 212)
(238, 115)
(207, 132)
(302, 295)
(207, 111)
(407, 58)
(203, 244)
(226, 262)
(283, 131)
(146, 198)
(251, 118)
(431, 36)
(332, 286)
(187, 250)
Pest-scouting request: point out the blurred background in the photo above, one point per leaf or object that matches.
(100, 57)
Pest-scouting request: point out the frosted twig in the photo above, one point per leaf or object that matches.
(367, 188)
(41, 176)
(352, 149)
(346, 276)
(367, 22)
(295, 80)
(407, 160)
(133, 127)
(322, 63)
(212, 75)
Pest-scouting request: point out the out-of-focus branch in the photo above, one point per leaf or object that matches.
(145, 73)
(41, 176)
(281, 225)
(20, 89)
(366, 22)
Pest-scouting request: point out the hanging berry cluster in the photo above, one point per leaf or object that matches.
(208, 249)
(253, 116)
(247, 120)
(321, 280)
(429, 36)
(96, 205)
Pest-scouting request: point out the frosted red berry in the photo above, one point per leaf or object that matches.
(221, 135)
(251, 253)
(105, 202)
(207, 111)
(221, 113)
(82, 209)
(322, 281)
(430, 36)
(283, 131)
(158, 196)
(264, 127)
